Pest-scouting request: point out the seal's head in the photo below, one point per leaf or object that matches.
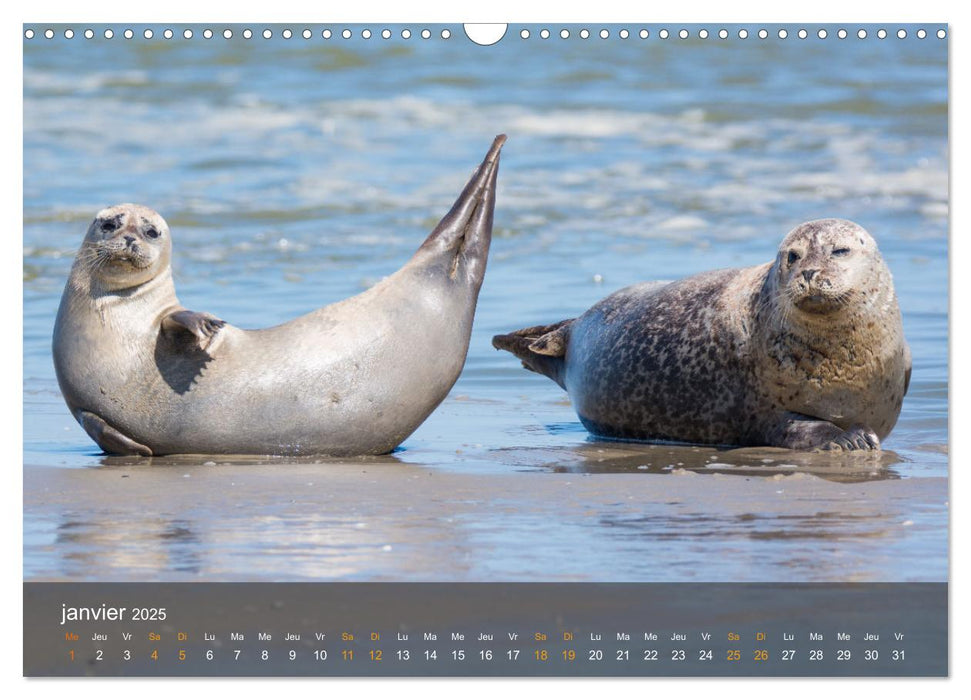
(824, 266)
(126, 245)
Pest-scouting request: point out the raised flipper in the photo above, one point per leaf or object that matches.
(799, 432)
(463, 236)
(197, 327)
(110, 439)
(541, 348)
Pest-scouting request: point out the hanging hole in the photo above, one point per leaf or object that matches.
(485, 34)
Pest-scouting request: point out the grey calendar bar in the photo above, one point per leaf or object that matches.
(485, 629)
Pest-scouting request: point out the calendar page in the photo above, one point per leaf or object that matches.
(485, 350)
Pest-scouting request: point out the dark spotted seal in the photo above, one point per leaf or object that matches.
(143, 375)
(805, 352)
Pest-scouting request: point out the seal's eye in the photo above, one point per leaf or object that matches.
(793, 256)
(110, 225)
(839, 252)
(152, 232)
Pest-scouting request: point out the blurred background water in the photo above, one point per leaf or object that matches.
(295, 172)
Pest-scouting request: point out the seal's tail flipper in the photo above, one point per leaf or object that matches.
(466, 231)
(541, 348)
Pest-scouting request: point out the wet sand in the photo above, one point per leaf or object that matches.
(600, 512)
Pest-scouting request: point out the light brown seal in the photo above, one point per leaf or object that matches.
(143, 375)
(806, 352)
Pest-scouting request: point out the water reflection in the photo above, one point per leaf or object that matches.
(92, 545)
(615, 457)
(384, 519)
(242, 541)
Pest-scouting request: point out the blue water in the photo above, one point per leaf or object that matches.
(294, 173)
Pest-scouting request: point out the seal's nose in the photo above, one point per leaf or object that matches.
(129, 240)
(809, 274)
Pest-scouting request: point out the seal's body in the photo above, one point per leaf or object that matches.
(145, 376)
(805, 352)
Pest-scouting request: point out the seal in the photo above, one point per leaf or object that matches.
(806, 352)
(145, 376)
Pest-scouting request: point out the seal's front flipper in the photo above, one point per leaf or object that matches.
(201, 326)
(541, 348)
(108, 438)
(809, 434)
(858, 437)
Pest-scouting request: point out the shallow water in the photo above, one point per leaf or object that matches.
(296, 173)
